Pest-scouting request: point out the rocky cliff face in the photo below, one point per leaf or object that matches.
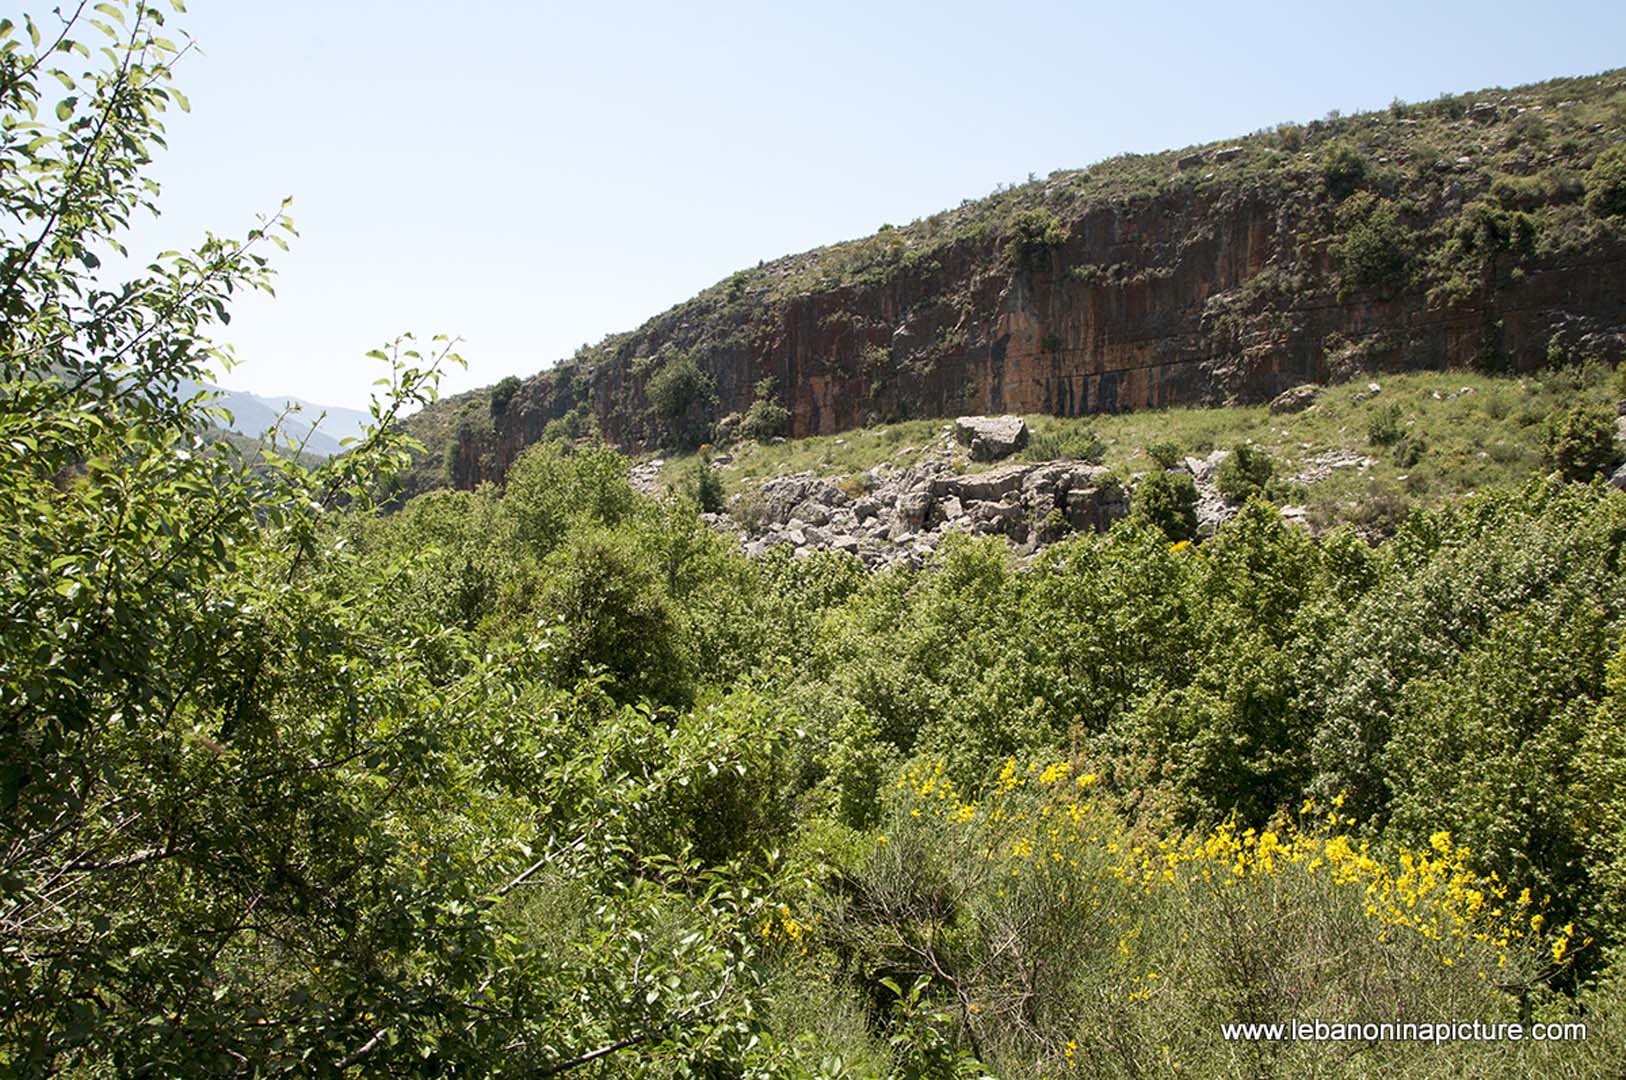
(1216, 275)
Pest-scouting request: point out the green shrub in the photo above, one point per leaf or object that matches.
(679, 386)
(1606, 184)
(680, 395)
(1168, 500)
(1383, 427)
(702, 485)
(1166, 454)
(1409, 450)
(1244, 473)
(604, 592)
(1373, 248)
(1343, 168)
(503, 393)
(1080, 444)
(750, 509)
(1580, 441)
(766, 417)
(1031, 234)
(578, 423)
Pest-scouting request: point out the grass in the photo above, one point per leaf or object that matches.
(1464, 432)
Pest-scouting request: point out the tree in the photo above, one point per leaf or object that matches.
(1373, 246)
(503, 393)
(258, 814)
(1606, 184)
(1244, 473)
(1031, 235)
(1169, 501)
(1580, 441)
(766, 417)
(678, 393)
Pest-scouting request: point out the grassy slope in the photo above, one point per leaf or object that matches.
(1490, 437)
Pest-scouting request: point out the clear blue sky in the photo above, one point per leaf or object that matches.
(532, 176)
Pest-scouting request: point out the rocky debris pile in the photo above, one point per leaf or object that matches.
(892, 515)
(1321, 466)
(991, 438)
(646, 477)
(1213, 509)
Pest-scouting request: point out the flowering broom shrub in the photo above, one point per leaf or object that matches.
(1063, 942)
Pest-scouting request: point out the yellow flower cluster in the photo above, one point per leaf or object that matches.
(781, 928)
(1433, 892)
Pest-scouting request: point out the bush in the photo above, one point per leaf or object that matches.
(750, 509)
(1373, 248)
(1409, 451)
(766, 416)
(1383, 427)
(1606, 184)
(1031, 234)
(615, 618)
(1343, 169)
(1082, 444)
(701, 485)
(1168, 500)
(578, 423)
(1166, 454)
(1244, 473)
(1580, 441)
(503, 393)
(679, 386)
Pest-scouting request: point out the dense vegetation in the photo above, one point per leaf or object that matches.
(550, 779)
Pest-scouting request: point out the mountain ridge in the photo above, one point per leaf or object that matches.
(1458, 232)
(322, 428)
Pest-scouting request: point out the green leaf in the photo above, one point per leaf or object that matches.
(65, 107)
(180, 99)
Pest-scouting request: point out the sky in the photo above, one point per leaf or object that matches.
(533, 176)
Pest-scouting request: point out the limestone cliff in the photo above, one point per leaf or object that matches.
(1458, 232)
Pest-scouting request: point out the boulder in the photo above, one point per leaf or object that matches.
(991, 437)
(913, 506)
(990, 486)
(1295, 400)
(813, 513)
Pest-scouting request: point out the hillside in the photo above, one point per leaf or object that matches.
(1476, 230)
(558, 778)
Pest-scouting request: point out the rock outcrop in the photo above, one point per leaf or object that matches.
(991, 438)
(901, 514)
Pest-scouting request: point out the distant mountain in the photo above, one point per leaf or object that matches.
(321, 427)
